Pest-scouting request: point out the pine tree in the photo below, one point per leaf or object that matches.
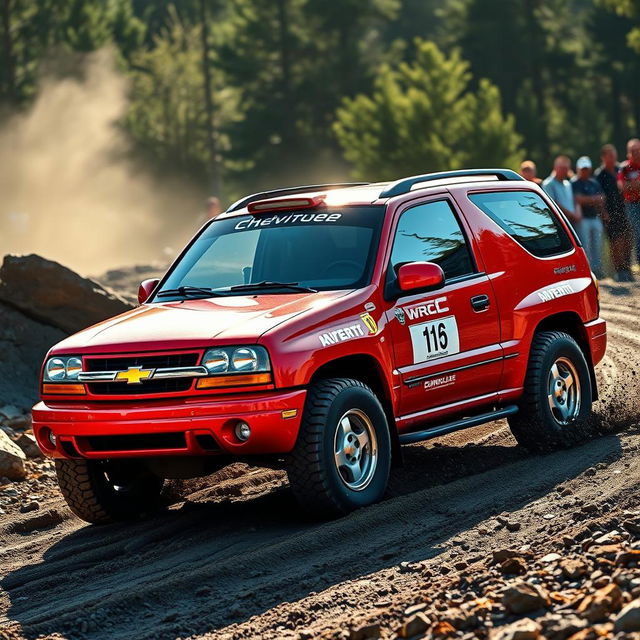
(422, 117)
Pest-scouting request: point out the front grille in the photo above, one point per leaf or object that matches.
(119, 363)
(149, 386)
(122, 363)
(138, 442)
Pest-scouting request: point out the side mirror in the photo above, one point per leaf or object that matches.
(420, 276)
(146, 288)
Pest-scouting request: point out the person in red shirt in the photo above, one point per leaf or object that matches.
(629, 185)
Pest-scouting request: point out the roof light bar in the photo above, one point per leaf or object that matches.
(280, 204)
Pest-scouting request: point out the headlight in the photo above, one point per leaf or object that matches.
(244, 360)
(62, 369)
(56, 369)
(74, 367)
(216, 361)
(236, 360)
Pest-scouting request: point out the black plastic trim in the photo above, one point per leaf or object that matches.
(404, 186)
(457, 425)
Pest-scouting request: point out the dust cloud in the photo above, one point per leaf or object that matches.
(69, 188)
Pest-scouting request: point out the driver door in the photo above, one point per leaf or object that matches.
(446, 342)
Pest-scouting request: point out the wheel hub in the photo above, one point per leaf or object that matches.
(564, 393)
(355, 449)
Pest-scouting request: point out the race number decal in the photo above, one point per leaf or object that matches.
(434, 339)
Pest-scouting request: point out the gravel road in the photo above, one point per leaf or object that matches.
(232, 558)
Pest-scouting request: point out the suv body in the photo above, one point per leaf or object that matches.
(404, 311)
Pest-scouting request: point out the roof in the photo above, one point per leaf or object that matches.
(361, 193)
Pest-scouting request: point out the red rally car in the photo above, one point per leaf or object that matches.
(318, 328)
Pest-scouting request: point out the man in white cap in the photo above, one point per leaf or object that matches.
(589, 195)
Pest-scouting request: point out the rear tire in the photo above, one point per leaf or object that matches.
(342, 456)
(555, 411)
(102, 491)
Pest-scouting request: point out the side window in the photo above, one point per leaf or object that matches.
(431, 233)
(527, 219)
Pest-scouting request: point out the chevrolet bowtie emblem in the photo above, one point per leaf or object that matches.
(134, 375)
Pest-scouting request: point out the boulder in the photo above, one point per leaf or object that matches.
(524, 629)
(10, 412)
(599, 605)
(415, 625)
(11, 459)
(368, 632)
(29, 446)
(52, 294)
(23, 345)
(524, 597)
(628, 619)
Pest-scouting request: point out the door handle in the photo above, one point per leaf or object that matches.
(480, 303)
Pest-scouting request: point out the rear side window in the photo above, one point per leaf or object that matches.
(430, 232)
(527, 219)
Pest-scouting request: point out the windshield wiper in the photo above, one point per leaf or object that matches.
(188, 291)
(269, 284)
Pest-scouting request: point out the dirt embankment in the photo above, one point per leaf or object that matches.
(474, 537)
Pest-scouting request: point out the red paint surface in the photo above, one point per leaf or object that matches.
(290, 326)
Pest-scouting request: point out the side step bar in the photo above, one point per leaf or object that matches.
(474, 421)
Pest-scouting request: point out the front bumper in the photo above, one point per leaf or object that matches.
(178, 427)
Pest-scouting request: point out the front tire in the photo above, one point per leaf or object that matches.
(556, 408)
(342, 456)
(102, 491)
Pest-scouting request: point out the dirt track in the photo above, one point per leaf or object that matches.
(236, 561)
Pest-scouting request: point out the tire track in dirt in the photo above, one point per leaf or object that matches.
(236, 557)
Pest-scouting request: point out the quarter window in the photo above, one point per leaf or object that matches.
(430, 232)
(527, 219)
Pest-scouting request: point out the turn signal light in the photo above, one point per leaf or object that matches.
(243, 380)
(64, 389)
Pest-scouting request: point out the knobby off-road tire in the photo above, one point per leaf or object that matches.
(555, 411)
(108, 491)
(342, 456)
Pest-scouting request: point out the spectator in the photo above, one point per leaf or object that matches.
(588, 194)
(559, 188)
(528, 171)
(629, 184)
(618, 228)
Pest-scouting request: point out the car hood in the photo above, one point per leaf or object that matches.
(194, 323)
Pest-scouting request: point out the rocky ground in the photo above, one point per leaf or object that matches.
(476, 538)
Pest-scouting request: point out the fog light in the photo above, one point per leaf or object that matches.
(243, 431)
(48, 438)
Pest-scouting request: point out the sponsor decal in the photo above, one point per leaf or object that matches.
(366, 326)
(276, 220)
(438, 383)
(562, 270)
(399, 311)
(546, 295)
(369, 322)
(342, 334)
(429, 308)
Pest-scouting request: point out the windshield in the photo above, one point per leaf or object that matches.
(279, 252)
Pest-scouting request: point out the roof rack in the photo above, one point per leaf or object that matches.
(404, 186)
(243, 202)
